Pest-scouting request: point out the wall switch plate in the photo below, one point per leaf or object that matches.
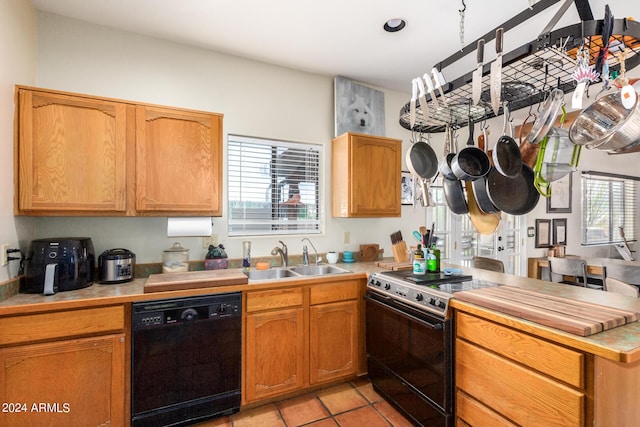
(4, 255)
(347, 237)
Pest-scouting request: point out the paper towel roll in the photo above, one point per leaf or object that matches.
(189, 226)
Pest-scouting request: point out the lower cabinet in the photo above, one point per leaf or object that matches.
(64, 382)
(505, 377)
(300, 337)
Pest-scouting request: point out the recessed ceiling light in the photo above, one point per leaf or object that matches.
(394, 25)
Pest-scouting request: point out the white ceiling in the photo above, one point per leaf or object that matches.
(329, 37)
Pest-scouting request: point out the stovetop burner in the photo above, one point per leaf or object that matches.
(428, 278)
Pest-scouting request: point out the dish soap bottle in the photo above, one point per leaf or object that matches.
(433, 259)
(419, 262)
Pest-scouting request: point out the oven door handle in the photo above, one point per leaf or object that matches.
(437, 326)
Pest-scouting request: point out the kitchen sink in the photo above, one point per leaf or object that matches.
(317, 270)
(273, 273)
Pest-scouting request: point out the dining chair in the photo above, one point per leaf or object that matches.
(620, 287)
(570, 271)
(487, 264)
(626, 273)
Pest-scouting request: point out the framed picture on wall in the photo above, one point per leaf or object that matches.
(560, 199)
(358, 108)
(560, 231)
(543, 233)
(406, 188)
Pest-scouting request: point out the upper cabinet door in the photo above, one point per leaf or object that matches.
(365, 176)
(71, 154)
(178, 162)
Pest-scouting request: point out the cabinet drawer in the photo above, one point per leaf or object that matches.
(61, 324)
(556, 361)
(269, 300)
(514, 391)
(333, 292)
(470, 412)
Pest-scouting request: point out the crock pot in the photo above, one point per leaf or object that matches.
(116, 265)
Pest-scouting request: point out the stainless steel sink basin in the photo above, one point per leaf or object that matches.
(317, 270)
(273, 273)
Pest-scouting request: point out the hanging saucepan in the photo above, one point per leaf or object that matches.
(471, 162)
(422, 160)
(506, 154)
(479, 185)
(515, 196)
(444, 166)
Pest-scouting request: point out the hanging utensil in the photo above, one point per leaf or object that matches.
(432, 94)
(471, 162)
(444, 166)
(476, 88)
(412, 107)
(506, 154)
(496, 74)
(438, 82)
(423, 99)
(479, 187)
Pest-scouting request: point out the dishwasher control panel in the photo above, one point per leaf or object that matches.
(190, 309)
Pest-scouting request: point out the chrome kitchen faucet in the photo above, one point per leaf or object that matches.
(305, 254)
(284, 253)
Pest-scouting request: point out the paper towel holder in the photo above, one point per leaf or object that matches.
(189, 226)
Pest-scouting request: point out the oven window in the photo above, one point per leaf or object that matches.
(412, 350)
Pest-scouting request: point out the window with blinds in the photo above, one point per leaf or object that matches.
(273, 186)
(609, 202)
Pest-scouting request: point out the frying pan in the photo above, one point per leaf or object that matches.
(454, 196)
(506, 154)
(479, 186)
(484, 223)
(422, 160)
(515, 196)
(471, 162)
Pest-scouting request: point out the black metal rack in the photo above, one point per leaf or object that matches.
(529, 73)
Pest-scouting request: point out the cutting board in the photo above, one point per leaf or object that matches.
(394, 265)
(193, 280)
(576, 317)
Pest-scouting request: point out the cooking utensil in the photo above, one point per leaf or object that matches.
(438, 82)
(515, 196)
(432, 94)
(423, 99)
(546, 117)
(471, 162)
(476, 88)
(412, 107)
(444, 166)
(484, 223)
(479, 186)
(422, 160)
(496, 73)
(454, 196)
(607, 125)
(506, 153)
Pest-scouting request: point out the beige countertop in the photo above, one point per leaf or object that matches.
(620, 344)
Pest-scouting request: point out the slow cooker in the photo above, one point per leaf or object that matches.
(116, 265)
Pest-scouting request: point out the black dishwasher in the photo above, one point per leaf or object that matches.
(185, 359)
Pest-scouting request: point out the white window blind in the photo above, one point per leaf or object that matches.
(273, 186)
(608, 203)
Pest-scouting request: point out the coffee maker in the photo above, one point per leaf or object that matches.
(59, 264)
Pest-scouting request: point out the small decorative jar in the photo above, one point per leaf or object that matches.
(216, 258)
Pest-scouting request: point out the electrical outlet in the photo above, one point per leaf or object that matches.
(4, 255)
(347, 237)
(211, 240)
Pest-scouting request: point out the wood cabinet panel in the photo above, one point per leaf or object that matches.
(365, 176)
(521, 395)
(470, 412)
(274, 352)
(71, 153)
(62, 324)
(332, 292)
(67, 383)
(559, 362)
(178, 161)
(333, 341)
(273, 299)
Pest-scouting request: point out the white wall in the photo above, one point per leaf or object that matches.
(256, 99)
(17, 56)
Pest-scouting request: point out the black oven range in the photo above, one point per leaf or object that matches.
(410, 342)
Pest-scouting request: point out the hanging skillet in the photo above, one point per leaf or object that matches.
(471, 162)
(479, 186)
(506, 153)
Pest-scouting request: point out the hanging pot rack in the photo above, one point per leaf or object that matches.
(529, 72)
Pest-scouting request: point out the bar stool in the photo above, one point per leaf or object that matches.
(570, 271)
(626, 273)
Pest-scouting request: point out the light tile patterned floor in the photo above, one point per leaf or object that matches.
(353, 404)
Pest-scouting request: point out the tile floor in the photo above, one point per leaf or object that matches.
(353, 404)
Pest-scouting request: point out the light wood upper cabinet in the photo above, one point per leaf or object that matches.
(365, 176)
(178, 161)
(83, 155)
(71, 154)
